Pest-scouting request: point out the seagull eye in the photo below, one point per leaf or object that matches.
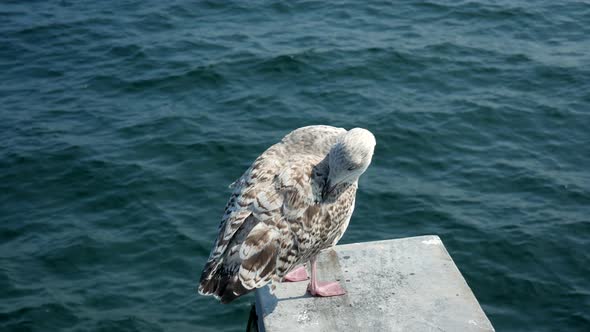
(351, 168)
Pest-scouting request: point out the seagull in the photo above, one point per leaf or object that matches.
(295, 200)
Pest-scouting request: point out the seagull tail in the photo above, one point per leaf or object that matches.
(221, 283)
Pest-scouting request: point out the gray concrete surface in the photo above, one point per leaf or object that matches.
(408, 284)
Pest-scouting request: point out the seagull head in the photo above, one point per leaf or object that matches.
(349, 158)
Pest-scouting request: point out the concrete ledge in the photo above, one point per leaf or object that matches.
(408, 284)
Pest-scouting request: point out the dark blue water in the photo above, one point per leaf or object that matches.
(123, 122)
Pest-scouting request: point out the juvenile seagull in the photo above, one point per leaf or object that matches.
(295, 200)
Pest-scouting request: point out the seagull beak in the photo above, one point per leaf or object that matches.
(328, 188)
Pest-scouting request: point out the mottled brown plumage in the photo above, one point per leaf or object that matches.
(295, 200)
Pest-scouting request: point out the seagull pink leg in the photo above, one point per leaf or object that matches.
(319, 288)
(299, 274)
